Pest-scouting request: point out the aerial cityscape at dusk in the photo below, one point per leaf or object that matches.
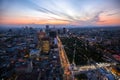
(59, 40)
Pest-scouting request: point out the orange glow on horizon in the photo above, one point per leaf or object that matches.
(109, 20)
(31, 21)
(104, 20)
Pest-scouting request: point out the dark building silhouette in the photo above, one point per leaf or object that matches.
(64, 30)
(47, 29)
(58, 31)
(53, 34)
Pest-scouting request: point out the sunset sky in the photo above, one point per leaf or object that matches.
(72, 12)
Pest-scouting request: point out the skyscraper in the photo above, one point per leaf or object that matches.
(47, 29)
(64, 30)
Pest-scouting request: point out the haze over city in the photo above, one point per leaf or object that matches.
(60, 12)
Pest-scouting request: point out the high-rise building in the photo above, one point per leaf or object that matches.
(64, 30)
(45, 45)
(58, 31)
(53, 34)
(47, 29)
(41, 35)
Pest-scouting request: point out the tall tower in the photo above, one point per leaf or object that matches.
(47, 30)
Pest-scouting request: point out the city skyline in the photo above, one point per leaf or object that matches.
(72, 12)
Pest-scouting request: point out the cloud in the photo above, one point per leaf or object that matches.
(96, 18)
(72, 11)
(53, 18)
(93, 20)
(31, 5)
(116, 13)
